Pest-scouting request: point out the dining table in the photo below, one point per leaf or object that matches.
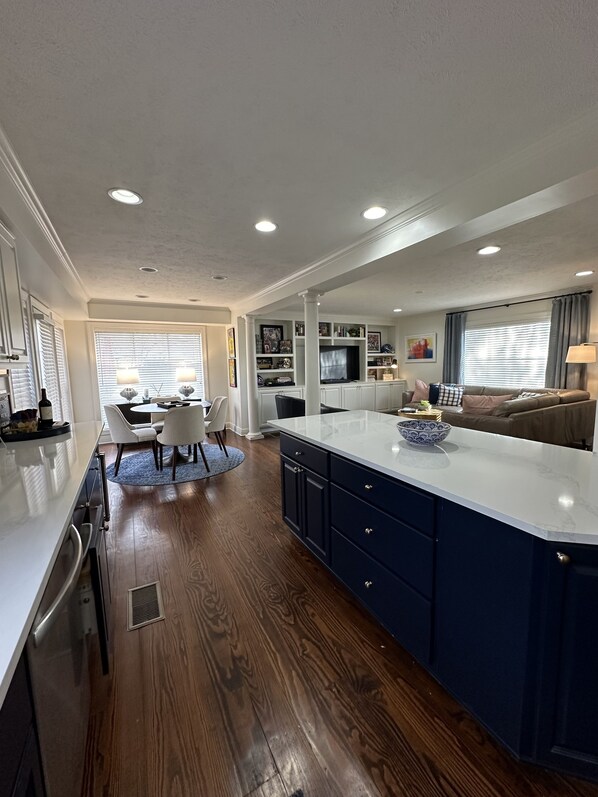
(156, 409)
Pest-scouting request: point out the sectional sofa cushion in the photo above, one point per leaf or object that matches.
(483, 405)
(525, 404)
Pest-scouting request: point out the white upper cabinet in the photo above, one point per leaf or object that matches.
(13, 343)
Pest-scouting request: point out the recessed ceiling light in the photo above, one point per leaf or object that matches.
(149, 269)
(266, 226)
(583, 273)
(219, 277)
(125, 196)
(142, 295)
(374, 213)
(488, 250)
(398, 310)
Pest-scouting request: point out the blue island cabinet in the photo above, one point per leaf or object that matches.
(503, 619)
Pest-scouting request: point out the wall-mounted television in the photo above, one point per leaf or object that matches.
(339, 364)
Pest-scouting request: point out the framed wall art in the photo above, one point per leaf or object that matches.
(230, 336)
(232, 372)
(420, 348)
(374, 341)
(271, 336)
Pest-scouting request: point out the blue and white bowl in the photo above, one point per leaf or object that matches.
(423, 433)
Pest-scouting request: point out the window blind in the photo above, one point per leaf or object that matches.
(156, 354)
(49, 366)
(63, 374)
(22, 380)
(505, 355)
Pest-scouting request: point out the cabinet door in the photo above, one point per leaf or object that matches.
(382, 397)
(290, 475)
(267, 408)
(368, 397)
(331, 396)
(12, 341)
(568, 719)
(351, 397)
(315, 506)
(396, 395)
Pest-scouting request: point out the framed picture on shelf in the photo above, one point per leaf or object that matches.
(421, 348)
(286, 347)
(266, 347)
(232, 372)
(230, 336)
(271, 335)
(324, 329)
(374, 341)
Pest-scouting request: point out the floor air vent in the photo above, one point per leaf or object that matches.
(145, 605)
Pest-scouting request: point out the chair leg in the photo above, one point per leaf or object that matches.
(161, 456)
(174, 459)
(217, 436)
(203, 456)
(119, 456)
(188, 451)
(221, 441)
(155, 452)
(194, 453)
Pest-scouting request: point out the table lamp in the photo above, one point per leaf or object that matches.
(184, 375)
(585, 354)
(127, 376)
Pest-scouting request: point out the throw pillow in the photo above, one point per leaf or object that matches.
(421, 392)
(450, 396)
(483, 405)
(434, 391)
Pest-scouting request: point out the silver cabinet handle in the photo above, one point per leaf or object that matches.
(369, 486)
(47, 621)
(368, 530)
(299, 453)
(367, 584)
(563, 558)
(296, 469)
(13, 357)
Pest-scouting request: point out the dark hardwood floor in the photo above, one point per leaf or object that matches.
(266, 677)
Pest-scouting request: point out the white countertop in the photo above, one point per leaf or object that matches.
(545, 490)
(40, 481)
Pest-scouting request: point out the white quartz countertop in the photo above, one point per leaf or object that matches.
(545, 490)
(40, 481)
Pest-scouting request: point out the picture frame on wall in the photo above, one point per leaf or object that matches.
(230, 336)
(420, 348)
(232, 372)
(374, 341)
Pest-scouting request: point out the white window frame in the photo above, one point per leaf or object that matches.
(491, 320)
(151, 328)
(38, 311)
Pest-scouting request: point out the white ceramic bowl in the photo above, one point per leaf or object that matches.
(423, 433)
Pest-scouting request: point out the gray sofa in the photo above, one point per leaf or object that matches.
(561, 417)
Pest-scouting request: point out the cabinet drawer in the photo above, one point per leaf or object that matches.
(398, 607)
(305, 454)
(402, 502)
(405, 551)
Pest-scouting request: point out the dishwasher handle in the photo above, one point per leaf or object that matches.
(45, 624)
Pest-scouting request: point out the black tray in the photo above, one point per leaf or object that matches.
(17, 437)
(168, 405)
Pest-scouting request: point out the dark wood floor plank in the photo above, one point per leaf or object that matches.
(267, 677)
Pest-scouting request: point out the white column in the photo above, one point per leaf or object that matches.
(312, 353)
(252, 399)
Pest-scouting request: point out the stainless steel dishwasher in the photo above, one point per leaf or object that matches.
(57, 654)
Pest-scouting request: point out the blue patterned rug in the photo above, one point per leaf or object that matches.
(140, 470)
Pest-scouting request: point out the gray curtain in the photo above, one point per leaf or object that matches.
(454, 343)
(569, 326)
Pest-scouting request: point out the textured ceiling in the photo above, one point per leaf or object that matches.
(222, 112)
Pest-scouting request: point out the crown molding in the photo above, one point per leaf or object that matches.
(18, 177)
(563, 153)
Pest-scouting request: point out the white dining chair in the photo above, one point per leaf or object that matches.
(215, 422)
(183, 426)
(123, 433)
(157, 418)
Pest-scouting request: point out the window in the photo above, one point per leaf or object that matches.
(503, 355)
(53, 366)
(22, 380)
(155, 353)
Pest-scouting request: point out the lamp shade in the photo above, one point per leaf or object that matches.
(185, 374)
(127, 376)
(584, 353)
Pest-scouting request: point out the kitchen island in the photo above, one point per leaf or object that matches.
(479, 555)
(40, 481)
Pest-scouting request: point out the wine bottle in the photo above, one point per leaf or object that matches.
(46, 419)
